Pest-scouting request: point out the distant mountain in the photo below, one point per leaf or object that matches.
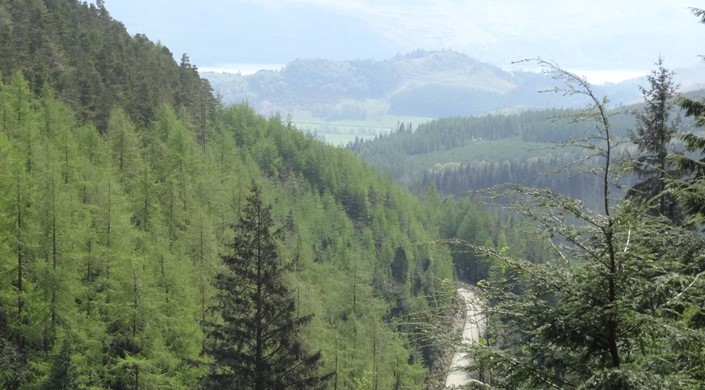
(420, 83)
(630, 36)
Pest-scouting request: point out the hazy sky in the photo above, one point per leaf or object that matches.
(594, 35)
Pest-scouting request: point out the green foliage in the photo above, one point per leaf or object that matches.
(119, 179)
(110, 243)
(652, 136)
(689, 186)
(461, 154)
(94, 65)
(62, 374)
(611, 308)
(254, 341)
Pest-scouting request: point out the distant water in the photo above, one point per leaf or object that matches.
(609, 76)
(593, 76)
(243, 69)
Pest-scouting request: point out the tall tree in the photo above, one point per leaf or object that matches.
(604, 312)
(690, 188)
(255, 343)
(655, 128)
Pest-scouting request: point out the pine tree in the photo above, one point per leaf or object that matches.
(654, 131)
(255, 344)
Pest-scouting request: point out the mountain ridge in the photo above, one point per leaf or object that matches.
(420, 83)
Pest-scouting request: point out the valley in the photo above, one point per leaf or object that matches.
(320, 225)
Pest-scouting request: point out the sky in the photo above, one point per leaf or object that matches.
(602, 39)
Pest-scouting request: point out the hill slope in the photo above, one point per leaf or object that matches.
(93, 64)
(112, 220)
(421, 83)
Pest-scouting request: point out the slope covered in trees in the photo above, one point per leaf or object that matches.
(93, 64)
(619, 303)
(461, 154)
(110, 245)
(118, 196)
(120, 181)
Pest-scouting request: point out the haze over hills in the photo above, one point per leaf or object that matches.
(139, 250)
(408, 84)
(605, 41)
(598, 35)
(421, 84)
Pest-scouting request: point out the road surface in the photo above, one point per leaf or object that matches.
(471, 334)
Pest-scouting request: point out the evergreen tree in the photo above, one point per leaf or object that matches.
(62, 373)
(604, 313)
(654, 131)
(255, 344)
(690, 188)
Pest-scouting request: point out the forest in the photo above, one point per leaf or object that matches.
(152, 237)
(458, 155)
(123, 181)
(617, 193)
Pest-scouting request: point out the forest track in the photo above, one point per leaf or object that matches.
(472, 331)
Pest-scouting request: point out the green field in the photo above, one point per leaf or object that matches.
(340, 132)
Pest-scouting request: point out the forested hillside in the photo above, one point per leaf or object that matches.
(460, 154)
(151, 238)
(94, 65)
(620, 307)
(421, 83)
(120, 182)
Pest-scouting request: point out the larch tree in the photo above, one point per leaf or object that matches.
(253, 342)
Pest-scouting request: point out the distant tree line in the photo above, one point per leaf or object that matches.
(421, 83)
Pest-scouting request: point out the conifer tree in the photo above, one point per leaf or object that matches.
(604, 313)
(690, 188)
(255, 343)
(654, 131)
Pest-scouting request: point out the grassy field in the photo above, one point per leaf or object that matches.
(340, 132)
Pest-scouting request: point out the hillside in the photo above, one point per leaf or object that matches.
(125, 202)
(93, 64)
(342, 100)
(422, 83)
(114, 213)
(460, 154)
(455, 153)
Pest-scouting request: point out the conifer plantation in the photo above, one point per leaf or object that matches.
(120, 182)
(151, 238)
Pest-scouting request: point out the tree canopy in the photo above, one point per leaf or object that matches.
(257, 346)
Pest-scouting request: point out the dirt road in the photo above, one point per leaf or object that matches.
(472, 332)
